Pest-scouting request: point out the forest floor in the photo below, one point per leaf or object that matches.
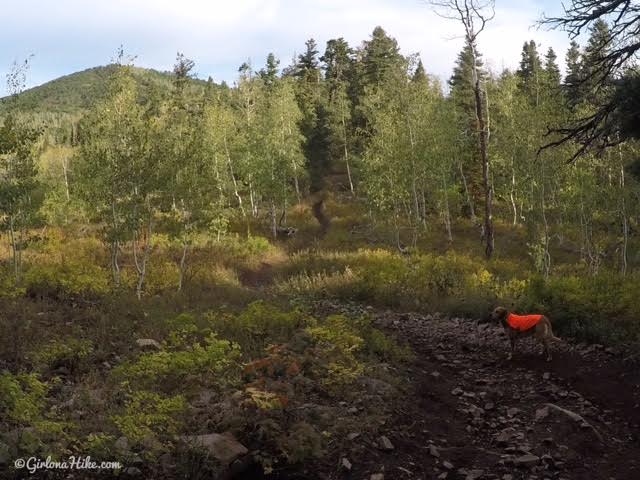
(466, 412)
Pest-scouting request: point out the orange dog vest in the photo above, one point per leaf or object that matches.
(523, 322)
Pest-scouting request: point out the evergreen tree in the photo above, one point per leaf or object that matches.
(337, 59)
(595, 66)
(530, 71)
(269, 74)
(419, 75)
(381, 58)
(307, 67)
(551, 69)
(573, 77)
(461, 82)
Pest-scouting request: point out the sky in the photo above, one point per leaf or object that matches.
(65, 36)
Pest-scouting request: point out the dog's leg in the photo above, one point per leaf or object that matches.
(512, 340)
(547, 351)
(545, 336)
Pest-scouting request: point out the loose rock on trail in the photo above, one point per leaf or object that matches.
(469, 413)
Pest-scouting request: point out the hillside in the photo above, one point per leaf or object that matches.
(76, 92)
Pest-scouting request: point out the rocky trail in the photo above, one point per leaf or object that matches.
(469, 413)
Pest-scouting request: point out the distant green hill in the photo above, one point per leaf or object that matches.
(77, 92)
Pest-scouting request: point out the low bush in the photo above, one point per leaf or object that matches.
(149, 415)
(202, 362)
(68, 352)
(600, 308)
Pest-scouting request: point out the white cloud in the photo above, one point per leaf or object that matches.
(68, 35)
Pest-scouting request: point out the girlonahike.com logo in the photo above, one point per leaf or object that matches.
(33, 464)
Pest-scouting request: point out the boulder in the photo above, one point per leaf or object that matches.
(223, 447)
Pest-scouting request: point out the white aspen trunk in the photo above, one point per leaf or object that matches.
(346, 149)
(512, 194)
(14, 249)
(274, 223)
(472, 211)
(547, 255)
(115, 248)
(446, 213)
(623, 212)
(65, 170)
(233, 177)
(414, 188)
(142, 267)
(183, 261)
(254, 206)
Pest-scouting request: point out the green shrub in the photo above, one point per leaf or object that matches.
(260, 324)
(598, 308)
(67, 280)
(22, 397)
(168, 369)
(69, 352)
(337, 342)
(148, 414)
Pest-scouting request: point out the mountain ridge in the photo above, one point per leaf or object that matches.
(77, 92)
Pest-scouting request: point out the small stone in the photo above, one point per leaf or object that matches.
(352, 436)
(447, 465)
(457, 391)
(377, 476)
(148, 344)
(512, 412)
(507, 476)
(489, 406)
(433, 451)
(527, 460)
(546, 376)
(346, 464)
(122, 444)
(474, 474)
(385, 443)
(542, 413)
(352, 410)
(132, 472)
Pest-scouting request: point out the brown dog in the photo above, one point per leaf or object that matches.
(517, 326)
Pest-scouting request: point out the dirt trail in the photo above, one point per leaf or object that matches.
(471, 414)
(486, 416)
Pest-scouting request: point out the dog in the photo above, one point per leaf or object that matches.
(517, 326)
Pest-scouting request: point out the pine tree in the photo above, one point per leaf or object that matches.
(530, 71)
(461, 82)
(381, 58)
(595, 68)
(551, 69)
(269, 74)
(419, 75)
(337, 59)
(307, 67)
(573, 77)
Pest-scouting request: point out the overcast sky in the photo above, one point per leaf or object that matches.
(70, 35)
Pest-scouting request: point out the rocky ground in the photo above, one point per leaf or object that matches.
(468, 413)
